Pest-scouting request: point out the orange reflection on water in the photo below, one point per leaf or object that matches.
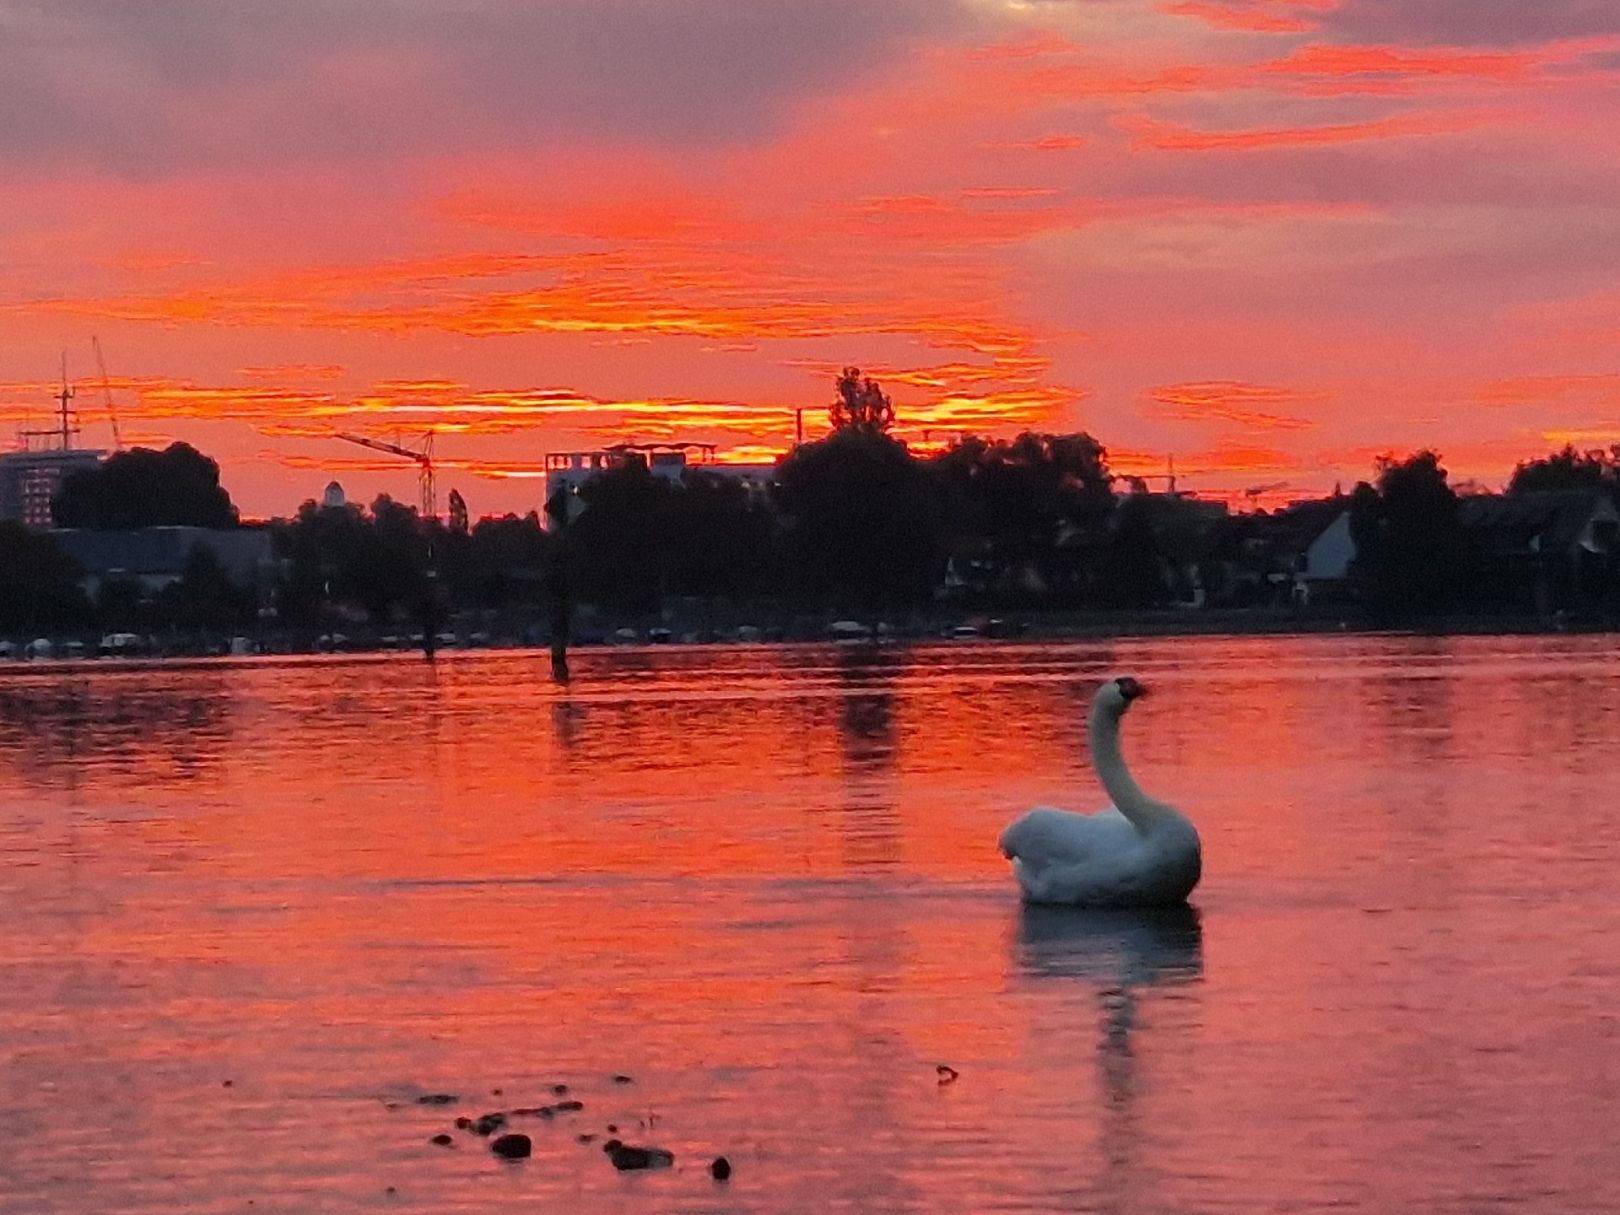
(763, 881)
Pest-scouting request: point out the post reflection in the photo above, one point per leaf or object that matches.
(871, 831)
(867, 677)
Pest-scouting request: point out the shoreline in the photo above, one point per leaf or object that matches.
(1034, 626)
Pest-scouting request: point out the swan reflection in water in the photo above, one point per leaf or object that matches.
(1119, 947)
(1117, 955)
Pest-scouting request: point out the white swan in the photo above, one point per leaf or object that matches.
(1137, 853)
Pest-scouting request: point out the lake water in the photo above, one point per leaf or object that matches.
(253, 910)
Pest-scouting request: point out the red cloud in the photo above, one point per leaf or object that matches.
(1164, 137)
(1257, 16)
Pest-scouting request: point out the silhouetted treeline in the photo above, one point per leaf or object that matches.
(1552, 542)
(387, 564)
(854, 522)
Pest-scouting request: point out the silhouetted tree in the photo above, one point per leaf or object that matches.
(860, 404)
(864, 524)
(721, 539)
(1039, 500)
(622, 537)
(510, 557)
(458, 513)
(204, 597)
(1134, 567)
(177, 486)
(122, 606)
(1409, 544)
(39, 584)
(341, 558)
(1569, 469)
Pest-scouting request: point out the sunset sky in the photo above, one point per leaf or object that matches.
(1271, 238)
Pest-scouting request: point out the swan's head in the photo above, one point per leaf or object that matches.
(1117, 694)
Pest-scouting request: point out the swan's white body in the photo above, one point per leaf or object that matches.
(1137, 853)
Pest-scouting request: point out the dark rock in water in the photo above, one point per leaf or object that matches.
(586, 1137)
(627, 1156)
(559, 1089)
(512, 1147)
(720, 1170)
(464, 1124)
(569, 1107)
(489, 1124)
(621, 1079)
(437, 1099)
(228, 1084)
(442, 1140)
(613, 1128)
(495, 1092)
(947, 1074)
(533, 1111)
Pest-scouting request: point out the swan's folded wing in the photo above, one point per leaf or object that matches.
(1084, 859)
(1044, 836)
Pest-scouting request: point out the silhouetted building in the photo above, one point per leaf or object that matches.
(29, 480)
(334, 496)
(567, 471)
(1550, 549)
(1561, 523)
(154, 557)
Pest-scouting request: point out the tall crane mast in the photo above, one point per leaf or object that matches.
(106, 392)
(422, 457)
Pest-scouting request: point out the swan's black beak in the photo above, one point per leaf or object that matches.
(1131, 689)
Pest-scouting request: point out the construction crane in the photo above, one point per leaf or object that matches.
(1168, 477)
(422, 458)
(106, 392)
(1254, 491)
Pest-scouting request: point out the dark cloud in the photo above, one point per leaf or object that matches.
(1472, 22)
(158, 83)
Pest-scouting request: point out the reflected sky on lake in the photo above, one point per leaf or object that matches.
(763, 882)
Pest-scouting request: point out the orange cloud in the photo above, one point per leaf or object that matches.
(294, 371)
(1601, 390)
(1045, 143)
(1230, 401)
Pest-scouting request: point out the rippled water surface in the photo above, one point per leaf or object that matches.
(253, 910)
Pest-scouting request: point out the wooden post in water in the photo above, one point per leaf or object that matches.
(560, 593)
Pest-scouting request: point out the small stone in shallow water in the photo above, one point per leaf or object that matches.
(627, 1156)
(489, 1124)
(512, 1147)
(720, 1170)
(947, 1074)
(437, 1099)
(227, 1084)
(622, 1079)
(559, 1089)
(464, 1124)
(569, 1107)
(442, 1140)
(586, 1137)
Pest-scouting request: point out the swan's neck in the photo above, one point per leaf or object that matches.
(1127, 795)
